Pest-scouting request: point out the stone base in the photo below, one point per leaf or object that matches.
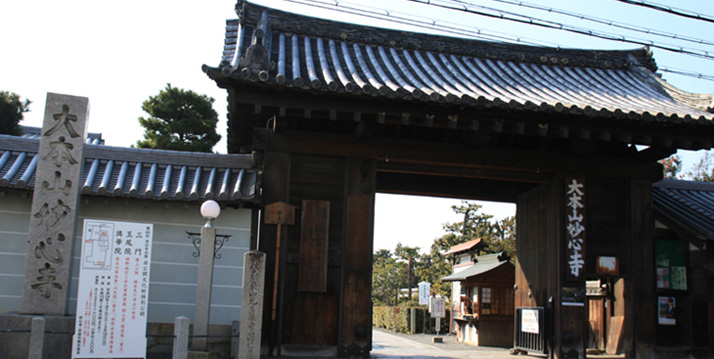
(195, 354)
(437, 340)
(311, 351)
(15, 343)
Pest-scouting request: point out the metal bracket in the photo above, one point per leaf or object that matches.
(195, 238)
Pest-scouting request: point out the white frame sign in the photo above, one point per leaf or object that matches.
(113, 291)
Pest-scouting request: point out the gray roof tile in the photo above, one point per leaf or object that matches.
(140, 173)
(309, 53)
(686, 206)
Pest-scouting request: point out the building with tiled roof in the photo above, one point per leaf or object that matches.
(448, 84)
(163, 188)
(336, 112)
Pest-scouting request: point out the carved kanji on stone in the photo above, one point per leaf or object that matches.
(65, 120)
(50, 217)
(61, 151)
(43, 250)
(57, 186)
(46, 281)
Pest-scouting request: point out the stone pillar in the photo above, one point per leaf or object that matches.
(252, 305)
(201, 319)
(37, 338)
(180, 338)
(235, 335)
(55, 204)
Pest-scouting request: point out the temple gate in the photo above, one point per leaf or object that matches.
(334, 113)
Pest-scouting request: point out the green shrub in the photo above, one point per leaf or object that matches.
(398, 319)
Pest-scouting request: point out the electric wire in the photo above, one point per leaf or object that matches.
(616, 24)
(504, 15)
(413, 20)
(687, 73)
(669, 10)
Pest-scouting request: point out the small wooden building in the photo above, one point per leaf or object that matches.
(336, 112)
(684, 231)
(482, 297)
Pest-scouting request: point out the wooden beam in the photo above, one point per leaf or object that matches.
(440, 154)
(453, 187)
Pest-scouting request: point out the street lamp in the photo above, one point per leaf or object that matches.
(210, 211)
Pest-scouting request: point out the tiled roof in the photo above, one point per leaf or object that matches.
(93, 138)
(462, 247)
(483, 264)
(686, 207)
(139, 173)
(319, 55)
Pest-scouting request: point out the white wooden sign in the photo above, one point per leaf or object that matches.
(438, 308)
(529, 321)
(113, 294)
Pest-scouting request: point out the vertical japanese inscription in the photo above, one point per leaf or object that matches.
(54, 206)
(575, 229)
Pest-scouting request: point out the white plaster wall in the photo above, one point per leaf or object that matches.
(174, 268)
(14, 224)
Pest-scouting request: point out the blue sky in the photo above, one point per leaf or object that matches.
(118, 54)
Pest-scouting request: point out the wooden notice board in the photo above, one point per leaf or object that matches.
(314, 238)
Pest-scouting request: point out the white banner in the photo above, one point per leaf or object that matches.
(113, 293)
(424, 291)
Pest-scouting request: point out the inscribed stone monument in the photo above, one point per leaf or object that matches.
(55, 204)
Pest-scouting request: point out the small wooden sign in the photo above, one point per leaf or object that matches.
(280, 213)
(314, 238)
(607, 266)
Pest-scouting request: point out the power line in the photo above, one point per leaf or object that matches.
(686, 73)
(421, 22)
(606, 22)
(669, 9)
(505, 15)
(412, 20)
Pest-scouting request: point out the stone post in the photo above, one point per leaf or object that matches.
(203, 289)
(252, 305)
(412, 320)
(235, 334)
(37, 338)
(55, 204)
(180, 338)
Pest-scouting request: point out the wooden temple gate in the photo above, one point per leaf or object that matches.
(335, 113)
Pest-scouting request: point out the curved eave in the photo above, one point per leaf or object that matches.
(363, 61)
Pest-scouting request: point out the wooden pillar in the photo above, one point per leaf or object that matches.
(642, 311)
(356, 307)
(276, 188)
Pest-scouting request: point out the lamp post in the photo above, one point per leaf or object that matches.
(210, 211)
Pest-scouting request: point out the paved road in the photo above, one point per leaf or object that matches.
(419, 346)
(389, 345)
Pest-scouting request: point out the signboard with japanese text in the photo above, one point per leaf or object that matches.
(575, 229)
(529, 321)
(113, 293)
(424, 291)
(438, 307)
